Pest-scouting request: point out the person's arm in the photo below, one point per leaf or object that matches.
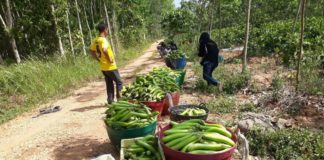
(105, 52)
(94, 55)
(202, 49)
(93, 51)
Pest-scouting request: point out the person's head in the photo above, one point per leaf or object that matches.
(204, 37)
(103, 29)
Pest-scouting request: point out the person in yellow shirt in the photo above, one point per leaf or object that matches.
(101, 51)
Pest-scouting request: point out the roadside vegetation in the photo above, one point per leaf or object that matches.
(268, 88)
(287, 144)
(44, 47)
(35, 81)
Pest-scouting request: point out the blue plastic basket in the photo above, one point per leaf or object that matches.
(177, 64)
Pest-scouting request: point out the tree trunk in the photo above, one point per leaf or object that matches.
(91, 12)
(220, 25)
(87, 22)
(1, 60)
(8, 27)
(57, 33)
(80, 27)
(210, 25)
(247, 31)
(116, 30)
(100, 8)
(109, 28)
(299, 7)
(69, 29)
(301, 42)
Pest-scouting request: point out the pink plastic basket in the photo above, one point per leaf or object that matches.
(171, 154)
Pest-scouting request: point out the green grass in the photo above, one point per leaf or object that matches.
(131, 53)
(285, 144)
(36, 81)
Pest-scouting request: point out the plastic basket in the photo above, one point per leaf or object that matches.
(175, 100)
(171, 154)
(127, 142)
(180, 78)
(176, 110)
(156, 106)
(116, 135)
(176, 64)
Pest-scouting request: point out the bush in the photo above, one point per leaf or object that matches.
(248, 107)
(222, 104)
(287, 144)
(312, 81)
(276, 85)
(230, 37)
(232, 80)
(278, 37)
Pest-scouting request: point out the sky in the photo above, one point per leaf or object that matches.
(177, 3)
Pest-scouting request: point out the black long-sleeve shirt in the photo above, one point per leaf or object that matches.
(210, 50)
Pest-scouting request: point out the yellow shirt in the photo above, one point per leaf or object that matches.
(97, 45)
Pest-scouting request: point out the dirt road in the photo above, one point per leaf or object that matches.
(75, 132)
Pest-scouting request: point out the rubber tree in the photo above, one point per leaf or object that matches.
(210, 17)
(80, 27)
(1, 59)
(247, 32)
(219, 24)
(301, 41)
(86, 19)
(60, 44)
(8, 25)
(69, 31)
(109, 28)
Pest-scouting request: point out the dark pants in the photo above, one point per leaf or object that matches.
(110, 78)
(208, 69)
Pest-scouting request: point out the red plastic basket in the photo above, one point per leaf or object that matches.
(175, 99)
(171, 154)
(156, 106)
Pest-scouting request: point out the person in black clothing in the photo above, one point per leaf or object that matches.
(209, 51)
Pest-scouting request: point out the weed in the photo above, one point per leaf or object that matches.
(287, 144)
(312, 82)
(265, 67)
(255, 87)
(237, 61)
(276, 85)
(232, 81)
(248, 107)
(222, 104)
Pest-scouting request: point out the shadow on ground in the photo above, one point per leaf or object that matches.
(83, 149)
(88, 108)
(90, 94)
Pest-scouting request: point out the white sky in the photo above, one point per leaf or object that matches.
(177, 3)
